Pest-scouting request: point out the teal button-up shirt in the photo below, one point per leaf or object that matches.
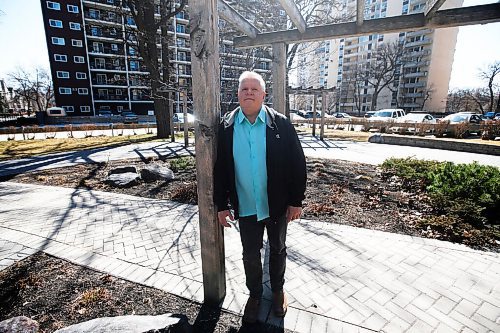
(249, 151)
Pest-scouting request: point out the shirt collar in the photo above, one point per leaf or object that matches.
(262, 116)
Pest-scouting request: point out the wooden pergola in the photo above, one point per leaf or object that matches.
(206, 88)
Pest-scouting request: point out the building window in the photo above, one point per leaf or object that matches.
(81, 75)
(65, 91)
(114, 47)
(76, 42)
(62, 74)
(75, 26)
(119, 108)
(134, 65)
(94, 14)
(111, 2)
(72, 9)
(53, 5)
(181, 28)
(118, 92)
(83, 91)
(60, 57)
(58, 41)
(79, 59)
(55, 23)
(84, 108)
(68, 108)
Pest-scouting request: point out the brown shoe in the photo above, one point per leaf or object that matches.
(251, 310)
(280, 304)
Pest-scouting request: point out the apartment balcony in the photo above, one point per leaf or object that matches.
(424, 41)
(103, 4)
(412, 105)
(109, 83)
(110, 98)
(414, 95)
(107, 67)
(417, 54)
(418, 33)
(141, 98)
(105, 35)
(418, 74)
(414, 85)
(411, 64)
(140, 69)
(101, 19)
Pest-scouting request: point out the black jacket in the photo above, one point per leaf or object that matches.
(286, 166)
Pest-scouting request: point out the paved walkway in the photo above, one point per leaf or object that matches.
(339, 278)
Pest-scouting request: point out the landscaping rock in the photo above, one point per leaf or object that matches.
(132, 324)
(123, 180)
(20, 324)
(153, 172)
(123, 169)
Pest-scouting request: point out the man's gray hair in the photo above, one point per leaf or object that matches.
(252, 75)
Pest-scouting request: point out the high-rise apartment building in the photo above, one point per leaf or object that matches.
(421, 76)
(96, 65)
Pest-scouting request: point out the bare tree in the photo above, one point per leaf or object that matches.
(489, 74)
(381, 69)
(35, 88)
(143, 14)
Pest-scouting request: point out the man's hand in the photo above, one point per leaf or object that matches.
(293, 213)
(222, 218)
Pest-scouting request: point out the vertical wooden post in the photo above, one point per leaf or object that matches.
(279, 77)
(206, 95)
(315, 102)
(323, 110)
(171, 115)
(185, 109)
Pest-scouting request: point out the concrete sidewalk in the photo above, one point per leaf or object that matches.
(339, 278)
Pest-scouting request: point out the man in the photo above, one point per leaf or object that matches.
(260, 174)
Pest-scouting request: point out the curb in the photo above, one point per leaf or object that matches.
(468, 147)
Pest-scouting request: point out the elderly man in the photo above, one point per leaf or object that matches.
(260, 174)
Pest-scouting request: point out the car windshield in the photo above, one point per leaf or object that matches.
(456, 117)
(382, 114)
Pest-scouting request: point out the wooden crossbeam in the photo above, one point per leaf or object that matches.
(294, 13)
(442, 19)
(229, 14)
(432, 7)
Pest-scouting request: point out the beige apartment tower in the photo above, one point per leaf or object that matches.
(420, 79)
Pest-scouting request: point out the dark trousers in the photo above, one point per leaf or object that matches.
(252, 233)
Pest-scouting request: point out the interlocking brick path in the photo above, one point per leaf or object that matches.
(339, 278)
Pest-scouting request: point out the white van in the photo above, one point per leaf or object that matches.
(56, 112)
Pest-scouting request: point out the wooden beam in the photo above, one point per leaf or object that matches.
(442, 19)
(229, 14)
(324, 99)
(278, 68)
(432, 7)
(315, 102)
(206, 97)
(294, 13)
(360, 12)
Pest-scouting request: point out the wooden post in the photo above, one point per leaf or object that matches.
(185, 109)
(170, 104)
(206, 95)
(315, 102)
(323, 110)
(279, 77)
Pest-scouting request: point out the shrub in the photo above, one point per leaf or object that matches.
(413, 172)
(182, 163)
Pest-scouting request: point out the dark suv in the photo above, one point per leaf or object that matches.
(129, 117)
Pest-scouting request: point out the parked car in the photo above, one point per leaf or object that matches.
(368, 114)
(491, 115)
(178, 120)
(309, 114)
(462, 117)
(104, 113)
(380, 117)
(129, 117)
(341, 115)
(414, 118)
(56, 112)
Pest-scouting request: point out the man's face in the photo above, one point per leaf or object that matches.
(251, 96)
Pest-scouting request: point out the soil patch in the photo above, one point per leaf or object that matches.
(57, 294)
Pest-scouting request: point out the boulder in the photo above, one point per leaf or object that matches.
(123, 180)
(153, 172)
(123, 169)
(132, 324)
(20, 324)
